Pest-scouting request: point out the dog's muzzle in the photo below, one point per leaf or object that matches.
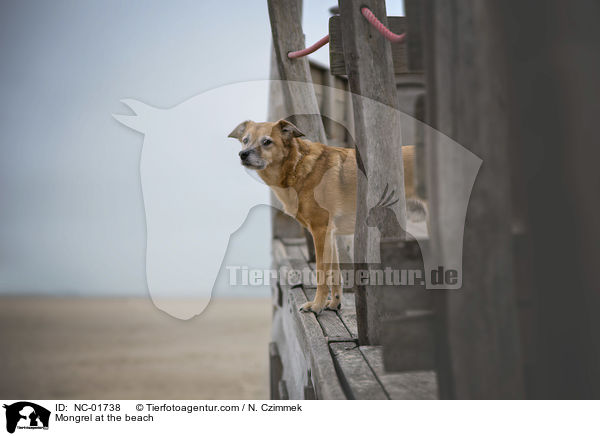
(250, 159)
(244, 154)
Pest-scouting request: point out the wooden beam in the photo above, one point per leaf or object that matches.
(414, 34)
(399, 50)
(467, 94)
(553, 109)
(368, 59)
(283, 225)
(302, 347)
(408, 342)
(414, 385)
(286, 27)
(357, 377)
(301, 101)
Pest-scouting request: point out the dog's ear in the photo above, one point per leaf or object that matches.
(288, 130)
(238, 132)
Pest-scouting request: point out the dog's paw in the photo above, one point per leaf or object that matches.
(334, 305)
(312, 306)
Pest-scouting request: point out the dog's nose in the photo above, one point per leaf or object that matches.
(244, 154)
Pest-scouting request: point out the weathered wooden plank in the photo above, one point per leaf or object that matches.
(308, 249)
(282, 224)
(414, 36)
(295, 363)
(416, 385)
(289, 257)
(420, 179)
(286, 28)
(332, 325)
(348, 314)
(336, 46)
(293, 241)
(310, 336)
(408, 329)
(282, 390)
(295, 252)
(301, 271)
(300, 101)
(298, 339)
(337, 65)
(404, 261)
(284, 265)
(303, 348)
(279, 253)
(554, 163)
(430, 163)
(299, 264)
(335, 109)
(468, 99)
(305, 252)
(309, 389)
(399, 50)
(368, 60)
(275, 371)
(409, 342)
(301, 343)
(357, 378)
(409, 87)
(276, 294)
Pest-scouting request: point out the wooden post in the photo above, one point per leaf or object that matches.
(286, 27)
(467, 93)
(337, 63)
(553, 107)
(282, 225)
(414, 34)
(368, 59)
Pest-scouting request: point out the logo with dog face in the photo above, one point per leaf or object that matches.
(26, 415)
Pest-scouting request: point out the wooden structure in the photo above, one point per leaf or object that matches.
(320, 357)
(513, 330)
(524, 324)
(331, 356)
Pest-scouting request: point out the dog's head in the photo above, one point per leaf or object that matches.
(264, 144)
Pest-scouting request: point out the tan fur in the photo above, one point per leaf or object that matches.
(316, 184)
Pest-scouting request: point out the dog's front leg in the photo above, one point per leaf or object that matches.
(335, 278)
(320, 237)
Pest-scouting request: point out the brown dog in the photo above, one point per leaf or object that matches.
(316, 185)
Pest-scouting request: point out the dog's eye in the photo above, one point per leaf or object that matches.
(245, 140)
(266, 142)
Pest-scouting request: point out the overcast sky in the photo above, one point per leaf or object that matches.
(71, 209)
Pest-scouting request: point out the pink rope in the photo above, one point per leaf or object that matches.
(308, 50)
(387, 33)
(371, 18)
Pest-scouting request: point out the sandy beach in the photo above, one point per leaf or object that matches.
(120, 348)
